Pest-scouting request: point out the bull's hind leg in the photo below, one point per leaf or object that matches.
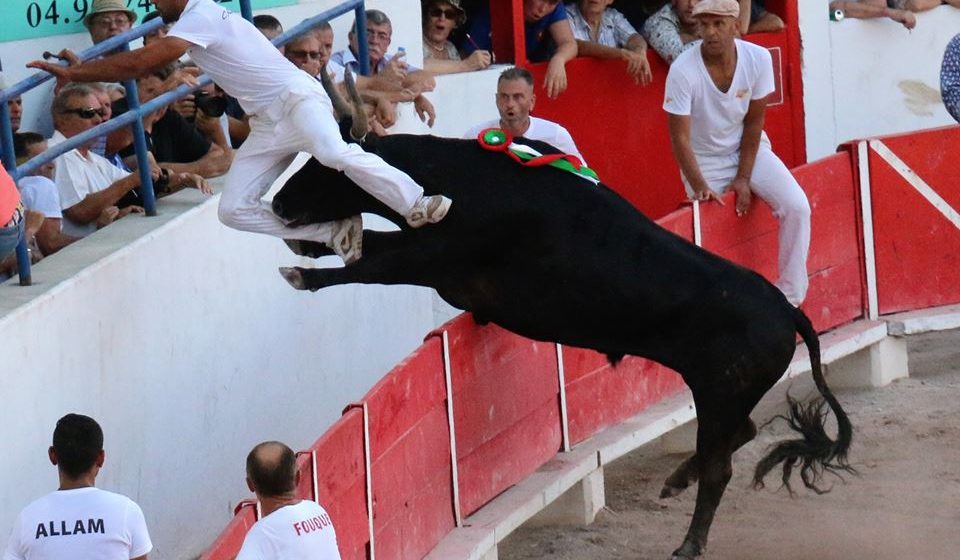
(687, 472)
(719, 424)
(389, 258)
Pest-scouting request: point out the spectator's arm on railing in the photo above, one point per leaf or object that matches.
(555, 81)
(634, 54)
(121, 66)
(88, 210)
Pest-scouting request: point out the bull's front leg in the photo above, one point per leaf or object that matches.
(389, 258)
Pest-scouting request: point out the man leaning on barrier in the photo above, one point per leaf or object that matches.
(290, 113)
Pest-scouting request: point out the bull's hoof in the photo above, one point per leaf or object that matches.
(304, 248)
(671, 491)
(294, 277)
(687, 552)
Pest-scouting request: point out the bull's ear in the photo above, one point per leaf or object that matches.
(340, 107)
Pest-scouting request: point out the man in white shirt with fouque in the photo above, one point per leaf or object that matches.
(289, 111)
(515, 99)
(716, 97)
(79, 520)
(291, 528)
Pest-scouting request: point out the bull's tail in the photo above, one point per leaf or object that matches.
(815, 452)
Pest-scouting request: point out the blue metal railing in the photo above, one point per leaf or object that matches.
(133, 117)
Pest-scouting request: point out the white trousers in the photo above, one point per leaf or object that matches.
(773, 182)
(302, 121)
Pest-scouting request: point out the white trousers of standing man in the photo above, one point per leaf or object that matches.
(773, 182)
(302, 121)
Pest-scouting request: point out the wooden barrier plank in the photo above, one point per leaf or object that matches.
(228, 543)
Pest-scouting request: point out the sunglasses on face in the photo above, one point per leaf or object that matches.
(313, 55)
(448, 13)
(85, 113)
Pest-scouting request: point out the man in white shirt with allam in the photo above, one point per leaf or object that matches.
(289, 111)
(79, 520)
(515, 99)
(291, 528)
(716, 96)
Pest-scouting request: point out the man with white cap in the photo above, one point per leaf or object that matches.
(716, 98)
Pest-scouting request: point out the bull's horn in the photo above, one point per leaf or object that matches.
(360, 126)
(340, 107)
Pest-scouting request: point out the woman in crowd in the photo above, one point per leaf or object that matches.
(440, 56)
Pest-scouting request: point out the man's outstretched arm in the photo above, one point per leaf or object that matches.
(121, 66)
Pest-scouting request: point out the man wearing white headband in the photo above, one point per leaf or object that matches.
(716, 96)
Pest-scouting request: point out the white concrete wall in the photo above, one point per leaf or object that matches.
(865, 78)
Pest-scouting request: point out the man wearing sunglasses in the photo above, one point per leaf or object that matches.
(290, 113)
(88, 183)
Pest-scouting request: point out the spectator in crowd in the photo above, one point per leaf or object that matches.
(79, 520)
(672, 30)
(15, 106)
(269, 26)
(290, 528)
(108, 18)
(754, 18)
(11, 215)
(603, 32)
(716, 96)
(293, 114)
(390, 74)
(86, 182)
(40, 195)
(515, 99)
(440, 56)
(638, 11)
(199, 147)
(548, 38)
(159, 33)
(897, 10)
(950, 78)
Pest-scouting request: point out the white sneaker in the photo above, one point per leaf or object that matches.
(428, 210)
(347, 240)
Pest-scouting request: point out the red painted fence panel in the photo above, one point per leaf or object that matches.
(505, 405)
(917, 245)
(410, 447)
(230, 540)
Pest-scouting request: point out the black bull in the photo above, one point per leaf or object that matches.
(552, 257)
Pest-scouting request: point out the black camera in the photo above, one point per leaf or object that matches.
(211, 105)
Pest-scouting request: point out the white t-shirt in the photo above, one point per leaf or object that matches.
(540, 129)
(299, 532)
(237, 56)
(716, 118)
(40, 195)
(86, 523)
(77, 176)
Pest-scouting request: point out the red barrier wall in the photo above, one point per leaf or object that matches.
(505, 406)
(917, 247)
(230, 540)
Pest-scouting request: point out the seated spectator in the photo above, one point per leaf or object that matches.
(269, 26)
(40, 195)
(15, 106)
(108, 18)
(672, 30)
(515, 99)
(440, 56)
(754, 18)
(390, 74)
(548, 38)
(160, 33)
(199, 148)
(87, 183)
(602, 32)
(290, 528)
(950, 78)
(79, 520)
(897, 10)
(11, 215)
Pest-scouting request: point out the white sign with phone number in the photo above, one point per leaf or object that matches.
(29, 19)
